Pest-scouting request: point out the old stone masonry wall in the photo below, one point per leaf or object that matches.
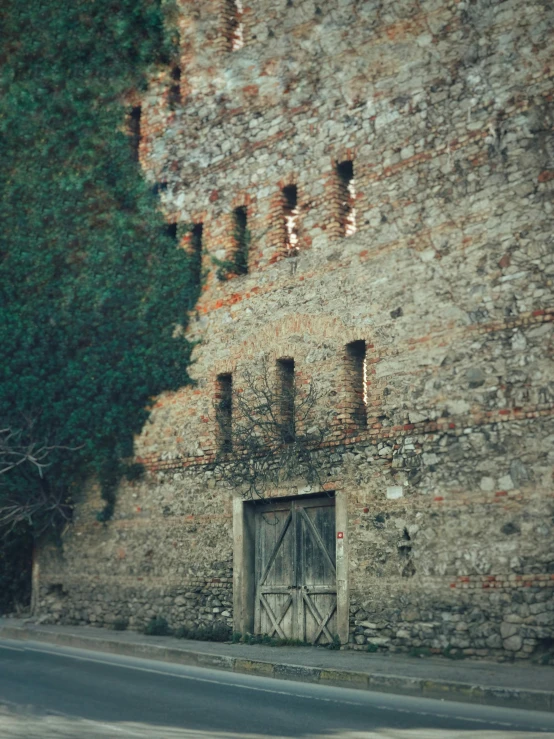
(389, 168)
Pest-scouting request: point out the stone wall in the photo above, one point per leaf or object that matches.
(446, 111)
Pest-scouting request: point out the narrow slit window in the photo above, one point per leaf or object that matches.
(224, 411)
(175, 88)
(196, 239)
(134, 130)
(290, 212)
(356, 370)
(286, 390)
(234, 11)
(196, 247)
(171, 230)
(241, 239)
(347, 197)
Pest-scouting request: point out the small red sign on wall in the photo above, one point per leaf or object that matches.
(340, 535)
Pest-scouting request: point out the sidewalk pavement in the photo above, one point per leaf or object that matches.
(521, 685)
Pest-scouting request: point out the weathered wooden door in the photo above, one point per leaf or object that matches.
(296, 591)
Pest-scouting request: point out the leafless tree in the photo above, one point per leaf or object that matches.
(34, 500)
(16, 450)
(268, 432)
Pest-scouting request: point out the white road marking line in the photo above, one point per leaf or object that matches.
(12, 649)
(268, 690)
(540, 729)
(112, 727)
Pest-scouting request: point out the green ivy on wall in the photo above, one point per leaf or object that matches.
(92, 288)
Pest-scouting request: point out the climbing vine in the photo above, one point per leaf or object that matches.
(93, 291)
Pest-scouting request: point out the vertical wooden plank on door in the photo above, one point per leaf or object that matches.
(298, 608)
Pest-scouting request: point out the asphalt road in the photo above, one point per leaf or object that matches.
(49, 692)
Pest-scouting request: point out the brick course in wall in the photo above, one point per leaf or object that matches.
(446, 110)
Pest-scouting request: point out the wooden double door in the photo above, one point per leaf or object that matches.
(296, 580)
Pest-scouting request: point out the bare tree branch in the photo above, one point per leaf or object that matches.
(275, 434)
(34, 500)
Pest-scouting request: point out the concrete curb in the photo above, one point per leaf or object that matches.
(538, 700)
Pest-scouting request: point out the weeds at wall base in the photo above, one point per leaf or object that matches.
(158, 626)
(217, 633)
(271, 641)
(266, 640)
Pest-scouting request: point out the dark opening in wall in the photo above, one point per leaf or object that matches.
(233, 11)
(224, 411)
(347, 197)
(286, 390)
(242, 240)
(159, 187)
(543, 653)
(134, 130)
(174, 97)
(196, 236)
(57, 589)
(290, 212)
(356, 382)
(405, 552)
(196, 247)
(171, 230)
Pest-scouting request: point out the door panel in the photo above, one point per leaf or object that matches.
(317, 617)
(274, 571)
(295, 569)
